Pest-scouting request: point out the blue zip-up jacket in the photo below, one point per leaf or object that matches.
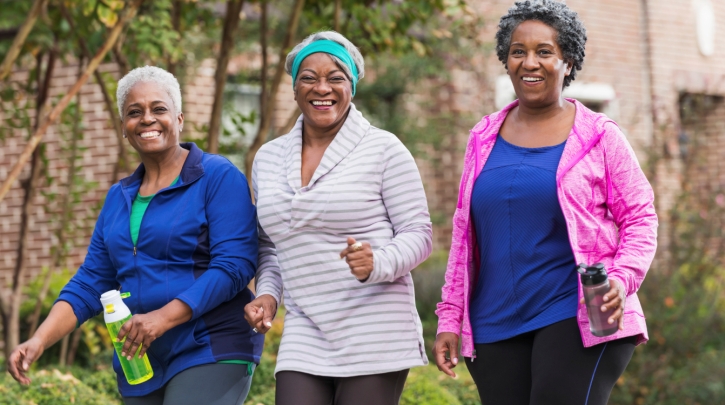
(197, 243)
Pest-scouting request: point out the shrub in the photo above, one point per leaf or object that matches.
(54, 387)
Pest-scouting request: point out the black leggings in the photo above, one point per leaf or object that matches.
(549, 366)
(294, 388)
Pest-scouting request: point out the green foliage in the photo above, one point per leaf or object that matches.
(685, 306)
(55, 387)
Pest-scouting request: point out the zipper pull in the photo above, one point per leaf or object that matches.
(134, 250)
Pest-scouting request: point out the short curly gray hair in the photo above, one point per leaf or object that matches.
(330, 36)
(571, 38)
(148, 74)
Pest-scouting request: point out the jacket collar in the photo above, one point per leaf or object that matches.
(585, 133)
(190, 171)
(351, 133)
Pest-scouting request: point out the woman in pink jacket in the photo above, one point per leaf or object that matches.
(547, 184)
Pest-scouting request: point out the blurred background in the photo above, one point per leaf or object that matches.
(657, 67)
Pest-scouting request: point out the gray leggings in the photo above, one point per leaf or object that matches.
(209, 384)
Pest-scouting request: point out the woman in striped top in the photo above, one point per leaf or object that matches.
(337, 188)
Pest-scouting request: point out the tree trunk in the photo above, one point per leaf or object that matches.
(63, 103)
(265, 66)
(12, 331)
(73, 349)
(59, 253)
(266, 120)
(14, 51)
(231, 22)
(176, 25)
(338, 12)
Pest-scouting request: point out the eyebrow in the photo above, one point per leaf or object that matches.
(313, 71)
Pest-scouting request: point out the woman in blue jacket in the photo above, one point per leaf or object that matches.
(180, 236)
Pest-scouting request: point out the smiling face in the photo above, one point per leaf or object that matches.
(536, 64)
(323, 92)
(150, 121)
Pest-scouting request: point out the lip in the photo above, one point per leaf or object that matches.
(323, 107)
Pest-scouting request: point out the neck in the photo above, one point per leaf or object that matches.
(315, 136)
(164, 164)
(542, 113)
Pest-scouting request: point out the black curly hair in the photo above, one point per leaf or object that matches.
(571, 38)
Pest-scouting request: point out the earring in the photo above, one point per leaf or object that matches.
(124, 135)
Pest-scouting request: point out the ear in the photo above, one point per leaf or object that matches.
(569, 67)
(180, 119)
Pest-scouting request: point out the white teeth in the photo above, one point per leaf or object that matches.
(151, 134)
(532, 79)
(322, 102)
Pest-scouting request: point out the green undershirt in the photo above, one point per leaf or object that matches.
(138, 209)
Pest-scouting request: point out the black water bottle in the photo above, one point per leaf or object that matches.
(595, 284)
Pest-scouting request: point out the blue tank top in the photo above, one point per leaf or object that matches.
(527, 279)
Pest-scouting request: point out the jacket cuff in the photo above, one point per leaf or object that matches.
(448, 329)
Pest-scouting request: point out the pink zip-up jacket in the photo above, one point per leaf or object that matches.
(608, 205)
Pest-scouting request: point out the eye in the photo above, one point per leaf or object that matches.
(337, 79)
(307, 79)
(160, 109)
(517, 52)
(134, 113)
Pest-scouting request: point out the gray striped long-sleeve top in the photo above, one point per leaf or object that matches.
(367, 186)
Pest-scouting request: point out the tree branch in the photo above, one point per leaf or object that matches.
(266, 121)
(17, 44)
(231, 22)
(63, 103)
(123, 162)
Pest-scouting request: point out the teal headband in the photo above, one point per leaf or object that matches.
(329, 47)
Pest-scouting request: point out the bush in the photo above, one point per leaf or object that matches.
(55, 387)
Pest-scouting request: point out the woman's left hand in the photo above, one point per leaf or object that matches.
(359, 256)
(614, 299)
(142, 329)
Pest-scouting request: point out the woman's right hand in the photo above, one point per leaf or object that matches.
(260, 312)
(446, 342)
(22, 357)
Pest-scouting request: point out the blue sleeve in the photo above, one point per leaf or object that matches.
(95, 276)
(232, 220)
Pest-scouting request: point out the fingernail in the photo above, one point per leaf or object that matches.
(604, 309)
(455, 360)
(610, 321)
(128, 358)
(269, 324)
(606, 298)
(123, 354)
(25, 366)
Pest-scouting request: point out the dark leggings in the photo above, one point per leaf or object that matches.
(294, 388)
(549, 366)
(208, 384)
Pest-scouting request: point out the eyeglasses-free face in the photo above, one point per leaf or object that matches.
(536, 64)
(323, 92)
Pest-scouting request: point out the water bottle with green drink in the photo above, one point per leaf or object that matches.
(116, 313)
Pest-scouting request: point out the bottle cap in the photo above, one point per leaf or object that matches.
(592, 275)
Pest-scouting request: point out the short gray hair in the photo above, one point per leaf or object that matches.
(149, 74)
(571, 34)
(330, 36)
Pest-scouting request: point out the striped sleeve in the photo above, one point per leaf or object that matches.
(407, 207)
(268, 279)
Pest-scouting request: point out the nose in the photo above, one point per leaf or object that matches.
(531, 62)
(148, 117)
(322, 86)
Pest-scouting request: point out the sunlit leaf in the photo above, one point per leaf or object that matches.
(107, 16)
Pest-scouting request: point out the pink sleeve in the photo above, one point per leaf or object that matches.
(631, 202)
(451, 308)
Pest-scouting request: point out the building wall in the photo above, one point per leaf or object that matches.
(627, 49)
